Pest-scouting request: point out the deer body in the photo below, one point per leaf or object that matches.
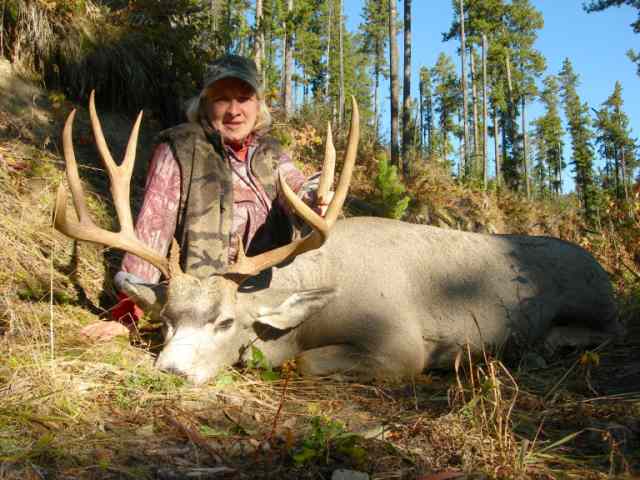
(364, 297)
(397, 298)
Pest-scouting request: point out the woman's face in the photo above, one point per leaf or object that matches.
(232, 109)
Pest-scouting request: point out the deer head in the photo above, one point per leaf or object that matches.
(208, 322)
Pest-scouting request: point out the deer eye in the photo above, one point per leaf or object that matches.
(224, 325)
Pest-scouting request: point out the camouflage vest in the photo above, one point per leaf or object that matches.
(206, 195)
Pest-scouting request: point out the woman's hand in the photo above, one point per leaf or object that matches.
(124, 313)
(103, 331)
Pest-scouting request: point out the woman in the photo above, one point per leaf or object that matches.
(212, 182)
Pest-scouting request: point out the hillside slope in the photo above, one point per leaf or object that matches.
(74, 409)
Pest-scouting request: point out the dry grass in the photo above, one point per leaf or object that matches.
(73, 409)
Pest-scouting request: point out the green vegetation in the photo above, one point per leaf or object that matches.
(393, 200)
(328, 438)
(261, 364)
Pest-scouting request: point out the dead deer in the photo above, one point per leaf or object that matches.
(362, 297)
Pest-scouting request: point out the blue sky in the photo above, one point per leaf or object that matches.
(595, 43)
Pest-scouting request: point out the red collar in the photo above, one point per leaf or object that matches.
(241, 150)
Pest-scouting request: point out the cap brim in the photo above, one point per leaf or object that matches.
(249, 81)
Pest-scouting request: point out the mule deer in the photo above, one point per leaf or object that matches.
(363, 297)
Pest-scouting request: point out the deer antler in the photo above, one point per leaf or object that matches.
(248, 266)
(328, 168)
(120, 179)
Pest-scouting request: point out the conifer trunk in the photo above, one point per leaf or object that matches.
(270, 54)
(213, 16)
(4, 7)
(227, 47)
(617, 176)
(406, 90)
(525, 148)
(259, 45)
(421, 119)
(341, 41)
(465, 100)
(623, 167)
(328, 51)
(376, 88)
(485, 126)
(462, 154)
(287, 90)
(430, 126)
(474, 103)
(496, 144)
(395, 87)
(559, 170)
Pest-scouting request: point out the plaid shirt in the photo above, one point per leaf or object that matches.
(156, 222)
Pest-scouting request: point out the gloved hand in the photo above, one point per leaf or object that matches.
(126, 311)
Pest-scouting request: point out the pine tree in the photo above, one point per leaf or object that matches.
(549, 134)
(526, 64)
(615, 142)
(329, 29)
(235, 30)
(485, 113)
(577, 114)
(406, 91)
(465, 103)
(375, 31)
(310, 47)
(426, 112)
(447, 102)
(341, 63)
(475, 80)
(394, 85)
(287, 94)
(273, 15)
(258, 52)
(340, 66)
(356, 79)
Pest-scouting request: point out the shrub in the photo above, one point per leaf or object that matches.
(392, 198)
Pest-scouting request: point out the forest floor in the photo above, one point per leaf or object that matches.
(72, 409)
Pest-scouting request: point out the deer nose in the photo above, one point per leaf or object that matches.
(167, 364)
(172, 369)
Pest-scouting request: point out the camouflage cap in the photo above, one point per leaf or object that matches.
(233, 66)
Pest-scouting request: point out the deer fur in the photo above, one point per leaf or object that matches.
(387, 299)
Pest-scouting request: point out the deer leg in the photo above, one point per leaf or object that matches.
(351, 362)
(575, 337)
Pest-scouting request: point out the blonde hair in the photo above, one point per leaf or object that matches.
(196, 111)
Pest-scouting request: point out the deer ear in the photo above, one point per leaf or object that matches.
(295, 309)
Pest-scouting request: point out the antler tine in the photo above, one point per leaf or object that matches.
(174, 260)
(328, 168)
(248, 266)
(347, 169)
(119, 176)
(72, 172)
(85, 229)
